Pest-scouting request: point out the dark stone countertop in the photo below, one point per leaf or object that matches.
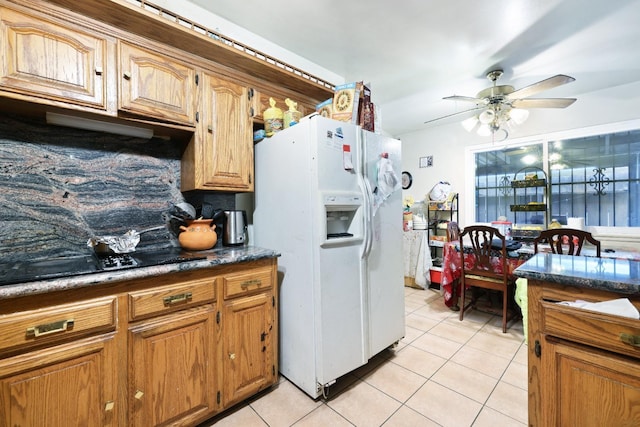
(213, 257)
(606, 274)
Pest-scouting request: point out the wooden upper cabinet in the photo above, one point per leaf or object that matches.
(155, 86)
(43, 62)
(220, 156)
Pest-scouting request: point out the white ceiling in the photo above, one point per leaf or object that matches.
(415, 52)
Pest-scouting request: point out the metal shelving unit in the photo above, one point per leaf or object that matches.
(530, 195)
(440, 213)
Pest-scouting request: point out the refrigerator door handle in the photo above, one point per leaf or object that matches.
(368, 232)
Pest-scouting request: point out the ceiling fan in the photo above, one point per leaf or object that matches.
(499, 105)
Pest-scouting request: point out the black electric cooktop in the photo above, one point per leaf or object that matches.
(67, 266)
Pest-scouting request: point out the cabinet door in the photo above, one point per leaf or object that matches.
(248, 353)
(44, 62)
(154, 85)
(226, 136)
(172, 368)
(587, 387)
(68, 385)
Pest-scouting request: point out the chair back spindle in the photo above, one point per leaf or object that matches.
(486, 267)
(566, 241)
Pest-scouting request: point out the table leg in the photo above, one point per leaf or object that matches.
(455, 295)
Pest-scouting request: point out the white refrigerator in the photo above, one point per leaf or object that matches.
(328, 198)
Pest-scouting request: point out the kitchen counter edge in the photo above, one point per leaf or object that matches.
(606, 274)
(212, 258)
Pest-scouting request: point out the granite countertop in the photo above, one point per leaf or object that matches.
(213, 257)
(613, 275)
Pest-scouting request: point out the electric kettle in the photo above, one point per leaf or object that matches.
(234, 230)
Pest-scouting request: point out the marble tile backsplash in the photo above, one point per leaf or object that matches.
(60, 186)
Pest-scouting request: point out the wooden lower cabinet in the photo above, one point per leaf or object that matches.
(591, 387)
(582, 372)
(248, 347)
(72, 384)
(174, 349)
(172, 374)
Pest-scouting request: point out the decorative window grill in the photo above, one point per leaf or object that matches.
(595, 177)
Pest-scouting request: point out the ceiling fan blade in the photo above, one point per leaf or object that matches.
(468, 112)
(542, 85)
(542, 103)
(464, 98)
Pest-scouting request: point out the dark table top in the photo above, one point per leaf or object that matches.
(607, 274)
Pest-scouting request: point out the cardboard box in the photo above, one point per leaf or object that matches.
(366, 113)
(325, 108)
(346, 100)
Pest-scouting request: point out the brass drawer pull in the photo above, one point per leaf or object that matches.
(633, 340)
(50, 328)
(174, 299)
(251, 282)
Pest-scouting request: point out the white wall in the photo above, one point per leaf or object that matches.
(450, 143)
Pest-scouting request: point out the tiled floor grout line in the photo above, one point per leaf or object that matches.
(426, 307)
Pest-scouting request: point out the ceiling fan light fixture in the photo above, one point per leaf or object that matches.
(470, 123)
(487, 116)
(504, 107)
(518, 115)
(484, 130)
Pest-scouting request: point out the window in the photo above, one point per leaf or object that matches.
(594, 177)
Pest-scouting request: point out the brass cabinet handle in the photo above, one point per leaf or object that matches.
(630, 339)
(232, 356)
(174, 299)
(127, 75)
(109, 406)
(50, 328)
(139, 394)
(247, 283)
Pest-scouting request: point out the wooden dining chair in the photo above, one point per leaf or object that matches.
(486, 265)
(570, 239)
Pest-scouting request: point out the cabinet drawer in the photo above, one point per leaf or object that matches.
(153, 302)
(247, 282)
(53, 324)
(592, 328)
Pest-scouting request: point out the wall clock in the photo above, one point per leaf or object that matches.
(407, 180)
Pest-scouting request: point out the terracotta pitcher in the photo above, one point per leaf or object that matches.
(198, 235)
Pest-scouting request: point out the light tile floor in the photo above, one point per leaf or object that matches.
(443, 373)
